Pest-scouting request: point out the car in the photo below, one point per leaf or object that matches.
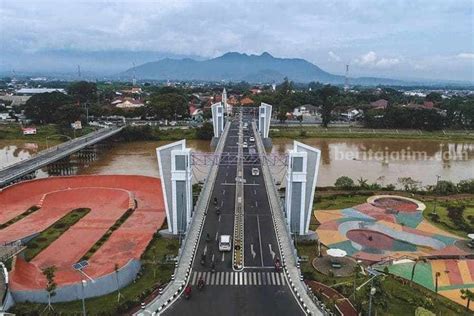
(255, 172)
(225, 243)
(245, 145)
(252, 139)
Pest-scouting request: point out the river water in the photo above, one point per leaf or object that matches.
(383, 161)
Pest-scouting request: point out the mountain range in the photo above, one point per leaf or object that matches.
(235, 67)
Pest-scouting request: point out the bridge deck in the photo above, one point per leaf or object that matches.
(45, 157)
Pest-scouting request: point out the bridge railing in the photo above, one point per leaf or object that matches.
(55, 148)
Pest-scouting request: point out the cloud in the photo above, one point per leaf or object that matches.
(371, 60)
(333, 56)
(465, 55)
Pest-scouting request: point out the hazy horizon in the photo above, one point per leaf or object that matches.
(388, 39)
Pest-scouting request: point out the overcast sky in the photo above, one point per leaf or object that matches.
(399, 39)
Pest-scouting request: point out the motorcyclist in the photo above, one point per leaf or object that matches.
(215, 201)
(218, 210)
(208, 237)
(203, 259)
(277, 264)
(201, 283)
(213, 266)
(187, 292)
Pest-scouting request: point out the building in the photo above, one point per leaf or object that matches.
(246, 101)
(127, 103)
(305, 110)
(264, 119)
(379, 104)
(33, 91)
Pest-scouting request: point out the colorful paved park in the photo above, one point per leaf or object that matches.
(392, 229)
(453, 276)
(385, 227)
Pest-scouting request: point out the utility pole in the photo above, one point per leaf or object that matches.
(436, 200)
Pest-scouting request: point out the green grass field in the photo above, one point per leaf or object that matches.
(445, 223)
(50, 133)
(358, 132)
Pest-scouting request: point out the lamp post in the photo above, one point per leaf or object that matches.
(83, 283)
(372, 293)
(434, 206)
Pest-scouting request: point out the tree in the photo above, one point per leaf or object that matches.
(206, 131)
(42, 108)
(83, 91)
(344, 182)
(468, 295)
(51, 285)
(444, 187)
(67, 114)
(409, 184)
(466, 186)
(363, 183)
(327, 96)
(282, 116)
(169, 106)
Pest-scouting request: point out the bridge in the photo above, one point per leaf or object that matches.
(22, 168)
(242, 281)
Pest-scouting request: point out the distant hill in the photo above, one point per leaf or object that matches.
(237, 67)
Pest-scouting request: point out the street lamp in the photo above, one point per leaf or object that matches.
(434, 206)
(372, 293)
(83, 284)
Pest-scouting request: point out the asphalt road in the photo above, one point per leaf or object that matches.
(258, 289)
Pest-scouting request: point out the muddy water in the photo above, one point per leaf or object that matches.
(386, 160)
(376, 160)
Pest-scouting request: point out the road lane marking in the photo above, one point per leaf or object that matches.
(217, 234)
(268, 278)
(207, 275)
(271, 251)
(219, 218)
(194, 278)
(223, 256)
(240, 278)
(255, 192)
(273, 278)
(277, 277)
(205, 250)
(260, 240)
(252, 251)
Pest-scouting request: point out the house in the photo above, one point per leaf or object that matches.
(428, 104)
(4, 116)
(255, 90)
(379, 104)
(33, 91)
(127, 103)
(350, 114)
(306, 110)
(246, 101)
(29, 130)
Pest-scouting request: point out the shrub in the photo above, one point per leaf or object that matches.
(445, 188)
(344, 182)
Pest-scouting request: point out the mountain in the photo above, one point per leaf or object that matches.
(233, 67)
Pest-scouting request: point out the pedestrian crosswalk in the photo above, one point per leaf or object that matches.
(239, 278)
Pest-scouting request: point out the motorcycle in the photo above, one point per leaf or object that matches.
(187, 292)
(203, 259)
(201, 284)
(277, 265)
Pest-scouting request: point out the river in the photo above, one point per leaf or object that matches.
(381, 160)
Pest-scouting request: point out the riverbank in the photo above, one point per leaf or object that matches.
(297, 132)
(45, 134)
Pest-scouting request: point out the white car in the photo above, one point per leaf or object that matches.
(255, 172)
(245, 145)
(225, 243)
(251, 139)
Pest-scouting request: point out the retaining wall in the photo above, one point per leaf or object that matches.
(100, 286)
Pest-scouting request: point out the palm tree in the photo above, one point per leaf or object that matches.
(468, 295)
